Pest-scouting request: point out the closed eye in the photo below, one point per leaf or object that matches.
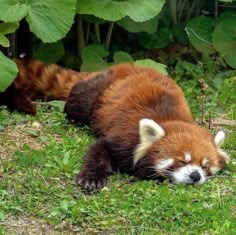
(182, 162)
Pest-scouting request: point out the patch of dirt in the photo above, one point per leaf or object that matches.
(23, 225)
(27, 226)
(12, 138)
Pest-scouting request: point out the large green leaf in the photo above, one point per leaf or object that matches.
(180, 34)
(49, 52)
(12, 10)
(50, 20)
(160, 39)
(225, 15)
(137, 10)
(149, 26)
(152, 64)
(93, 19)
(92, 56)
(200, 31)
(121, 57)
(224, 40)
(4, 40)
(7, 28)
(8, 73)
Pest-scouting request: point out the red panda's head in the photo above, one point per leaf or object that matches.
(182, 152)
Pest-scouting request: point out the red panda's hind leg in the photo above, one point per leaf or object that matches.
(83, 96)
(96, 167)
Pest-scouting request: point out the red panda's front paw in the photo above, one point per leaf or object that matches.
(90, 184)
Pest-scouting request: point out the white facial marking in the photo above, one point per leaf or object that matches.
(149, 132)
(182, 175)
(204, 162)
(163, 164)
(188, 157)
(219, 138)
(140, 151)
(214, 169)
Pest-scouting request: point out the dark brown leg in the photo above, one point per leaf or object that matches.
(24, 103)
(96, 167)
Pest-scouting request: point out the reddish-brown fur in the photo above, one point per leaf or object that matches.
(114, 102)
(184, 136)
(37, 80)
(137, 97)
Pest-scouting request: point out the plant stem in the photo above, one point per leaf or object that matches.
(191, 10)
(12, 50)
(209, 120)
(173, 11)
(187, 8)
(180, 9)
(87, 33)
(203, 110)
(216, 9)
(197, 10)
(109, 33)
(97, 33)
(80, 35)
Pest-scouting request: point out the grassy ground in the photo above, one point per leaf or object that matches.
(40, 157)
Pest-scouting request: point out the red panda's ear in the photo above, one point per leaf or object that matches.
(150, 131)
(219, 138)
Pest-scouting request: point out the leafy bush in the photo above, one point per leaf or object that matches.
(133, 27)
(46, 22)
(94, 59)
(216, 94)
(208, 36)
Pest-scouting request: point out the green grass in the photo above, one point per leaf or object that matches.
(40, 158)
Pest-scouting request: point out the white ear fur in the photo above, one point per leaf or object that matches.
(149, 132)
(219, 138)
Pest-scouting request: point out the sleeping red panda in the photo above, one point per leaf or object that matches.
(37, 80)
(143, 127)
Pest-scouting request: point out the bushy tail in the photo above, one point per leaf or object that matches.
(37, 80)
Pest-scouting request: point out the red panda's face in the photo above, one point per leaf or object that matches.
(182, 152)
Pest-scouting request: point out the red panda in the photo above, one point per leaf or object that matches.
(37, 80)
(143, 127)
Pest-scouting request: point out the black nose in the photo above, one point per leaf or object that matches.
(195, 176)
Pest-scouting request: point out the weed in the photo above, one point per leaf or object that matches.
(219, 95)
